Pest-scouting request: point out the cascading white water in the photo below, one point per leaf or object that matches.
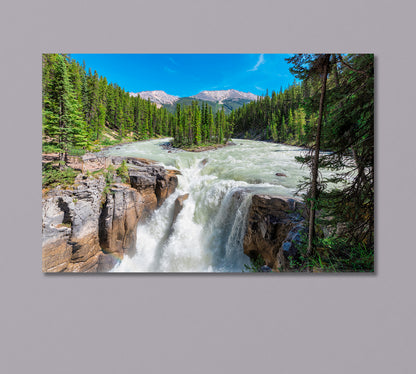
(208, 233)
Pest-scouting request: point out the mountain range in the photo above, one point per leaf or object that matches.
(157, 97)
(227, 99)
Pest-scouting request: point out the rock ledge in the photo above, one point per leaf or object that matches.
(273, 228)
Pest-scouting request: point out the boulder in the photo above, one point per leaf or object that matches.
(140, 161)
(273, 227)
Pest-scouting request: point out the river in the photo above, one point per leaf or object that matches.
(208, 233)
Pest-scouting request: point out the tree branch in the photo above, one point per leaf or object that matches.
(350, 67)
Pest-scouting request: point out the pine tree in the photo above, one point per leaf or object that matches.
(179, 128)
(196, 123)
(63, 121)
(299, 124)
(283, 130)
(210, 125)
(290, 124)
(101, 120)
(316, 65)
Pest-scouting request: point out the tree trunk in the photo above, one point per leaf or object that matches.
(62, 138)
(360, 167)
(335, 69)
(315, 162)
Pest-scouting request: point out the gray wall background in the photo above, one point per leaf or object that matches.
(206, 323)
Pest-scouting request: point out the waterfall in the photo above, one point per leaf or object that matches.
(208, 233)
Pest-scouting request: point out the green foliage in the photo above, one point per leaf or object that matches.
(72, 151)
(109, 178)
(110, 169)
(348, 132)
(196, 125)
(63, 122)
(123, 172)
(106, 142)
(65, 224)
(54, 175)
(334, 254)
(255, 265)
(50, 148)
(228, 105)
(280, 118)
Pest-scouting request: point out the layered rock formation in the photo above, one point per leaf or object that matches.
(177, 209)
(90, 227)
(273, 229)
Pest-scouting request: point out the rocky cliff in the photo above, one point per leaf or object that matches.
(89, 227)
(273, 228)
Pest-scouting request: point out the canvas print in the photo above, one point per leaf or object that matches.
(237, 163)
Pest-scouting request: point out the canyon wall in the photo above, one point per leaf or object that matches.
(90, 226)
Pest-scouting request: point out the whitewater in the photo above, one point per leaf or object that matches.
(208, 233)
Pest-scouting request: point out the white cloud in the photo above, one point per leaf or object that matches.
(259, 62)
(169, 70)
(173, 61)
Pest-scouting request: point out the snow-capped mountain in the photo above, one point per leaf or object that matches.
(158, 97)
(162, 98)
(221, 95)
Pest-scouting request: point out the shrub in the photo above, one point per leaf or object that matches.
(50, 148)
(123, 172)
(335, 254)
(106, 142)
(76, 152)
(255, 265)
(53, 175)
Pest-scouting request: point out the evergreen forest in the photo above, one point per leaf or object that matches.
(82, 110)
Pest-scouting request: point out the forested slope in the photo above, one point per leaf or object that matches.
(79, 108)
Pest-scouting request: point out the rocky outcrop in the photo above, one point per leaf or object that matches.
(273, 229)
(121, 211)
(177, 209)
(69, 230)
(91, 226)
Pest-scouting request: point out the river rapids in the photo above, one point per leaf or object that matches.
(209, 231)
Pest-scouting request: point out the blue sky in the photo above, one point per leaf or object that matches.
(189, 74)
